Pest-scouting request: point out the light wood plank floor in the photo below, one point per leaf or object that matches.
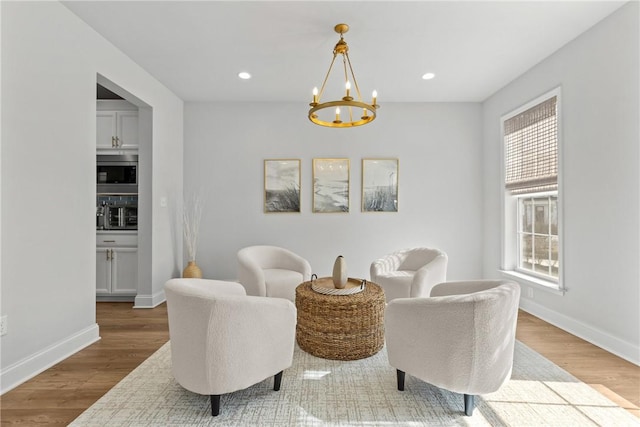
(60, 394)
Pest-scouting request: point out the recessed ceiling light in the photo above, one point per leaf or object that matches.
(244, 75)
(428, 76)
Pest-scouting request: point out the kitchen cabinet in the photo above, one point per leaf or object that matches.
(116, 130)
(116, 266)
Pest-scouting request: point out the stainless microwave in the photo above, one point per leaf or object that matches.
(117, 174)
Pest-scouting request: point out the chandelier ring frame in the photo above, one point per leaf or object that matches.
(343, 103)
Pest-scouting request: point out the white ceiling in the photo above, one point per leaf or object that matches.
(474, 47)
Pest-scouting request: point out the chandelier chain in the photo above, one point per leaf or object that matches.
(326, 77)
(344, 66)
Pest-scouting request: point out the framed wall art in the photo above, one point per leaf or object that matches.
(379, 185)
(281, 185)
(330, 185)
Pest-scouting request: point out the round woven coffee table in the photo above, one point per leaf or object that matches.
(340, 327)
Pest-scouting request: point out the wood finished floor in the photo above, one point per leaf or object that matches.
(61, 393)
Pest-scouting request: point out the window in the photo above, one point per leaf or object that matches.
(531, 222)
(537, 238)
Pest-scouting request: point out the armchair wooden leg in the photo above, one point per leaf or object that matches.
(468, 404)
(277, 379)
(215, 405)
(400, 375)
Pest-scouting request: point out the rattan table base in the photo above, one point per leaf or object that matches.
(340, 327)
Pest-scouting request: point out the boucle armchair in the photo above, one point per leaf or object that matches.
(460, 339)
(223, 340)
(272, 271)
(409, 273)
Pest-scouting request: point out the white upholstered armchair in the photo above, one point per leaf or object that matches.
(460, 339)
(272, 271)
(223, 340)
(409, 272)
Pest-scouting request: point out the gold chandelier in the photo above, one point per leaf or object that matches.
(357, 112)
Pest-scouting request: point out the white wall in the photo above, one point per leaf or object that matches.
(599, 74)
(439, 148)
(50, 62)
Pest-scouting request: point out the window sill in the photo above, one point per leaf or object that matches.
(536, 282)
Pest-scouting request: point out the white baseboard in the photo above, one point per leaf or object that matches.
(149, 301)
(27, 368)
(604, 340)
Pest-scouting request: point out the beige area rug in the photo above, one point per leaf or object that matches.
(320, 392)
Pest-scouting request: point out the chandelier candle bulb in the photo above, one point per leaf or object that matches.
(375, 96)
(315, 95)
(348, 96)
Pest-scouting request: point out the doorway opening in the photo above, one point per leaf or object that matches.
(124, 200)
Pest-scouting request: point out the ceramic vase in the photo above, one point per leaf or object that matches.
(192, 271)
(340, 273)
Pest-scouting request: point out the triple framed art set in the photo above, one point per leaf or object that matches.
(331, 183)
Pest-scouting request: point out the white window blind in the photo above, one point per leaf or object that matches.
(531, 149)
